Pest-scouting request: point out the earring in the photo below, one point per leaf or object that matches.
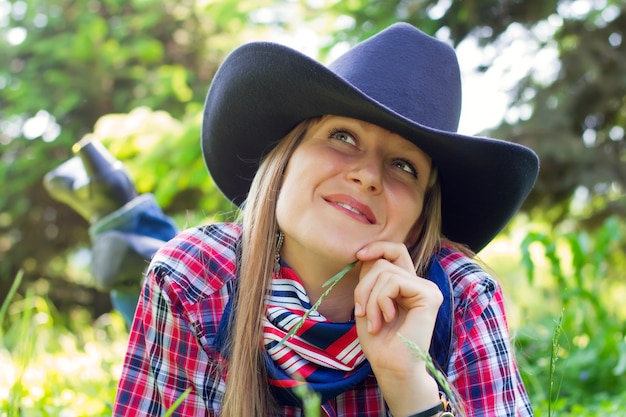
(280, 237)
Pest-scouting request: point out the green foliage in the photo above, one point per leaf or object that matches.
(68, 63)
(58, 365)
(582, 275)
(163, 156)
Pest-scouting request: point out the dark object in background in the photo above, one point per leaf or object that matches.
(93, 183)
(125, 228)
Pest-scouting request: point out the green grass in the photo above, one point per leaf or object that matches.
(58, 366)
(69, 366)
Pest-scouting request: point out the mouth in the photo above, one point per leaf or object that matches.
(352, 207)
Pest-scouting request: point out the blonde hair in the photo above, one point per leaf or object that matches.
(428, 228)
(247, 390)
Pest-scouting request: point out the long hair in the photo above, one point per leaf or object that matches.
(247, 390)
(428, 228)
(429, 240)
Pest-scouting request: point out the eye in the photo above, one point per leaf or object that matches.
(405, 166)
(342, 135)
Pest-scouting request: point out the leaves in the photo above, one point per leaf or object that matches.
(82, 60)
(580, 273)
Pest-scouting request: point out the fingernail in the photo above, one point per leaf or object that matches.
(369, 326)
(358, 310)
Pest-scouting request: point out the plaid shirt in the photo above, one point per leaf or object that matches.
(172, 340)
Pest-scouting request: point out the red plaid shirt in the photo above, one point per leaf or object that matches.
(190, 279)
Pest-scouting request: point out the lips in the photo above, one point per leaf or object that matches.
(352, 206)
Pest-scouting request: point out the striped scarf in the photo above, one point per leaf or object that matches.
(326, 356)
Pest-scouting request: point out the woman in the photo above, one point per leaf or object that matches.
(358, 162)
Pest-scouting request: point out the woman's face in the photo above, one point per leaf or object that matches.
(347, 184)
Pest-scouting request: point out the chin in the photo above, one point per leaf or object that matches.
(342, 249)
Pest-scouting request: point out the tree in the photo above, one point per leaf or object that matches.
(70, 63)
(74, 63)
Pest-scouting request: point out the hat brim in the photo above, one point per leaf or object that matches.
(262, 90)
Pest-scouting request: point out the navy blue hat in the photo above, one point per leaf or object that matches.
(400, 79)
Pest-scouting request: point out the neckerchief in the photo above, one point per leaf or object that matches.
(325, 355)
(335, 382)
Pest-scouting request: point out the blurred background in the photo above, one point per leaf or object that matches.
(133, 74)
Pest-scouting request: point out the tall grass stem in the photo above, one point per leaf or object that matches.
(5, 304)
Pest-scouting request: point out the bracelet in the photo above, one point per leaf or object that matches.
(444, 405)
(429, 412)
(448, 410)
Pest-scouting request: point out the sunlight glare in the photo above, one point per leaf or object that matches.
(577, 9)
(484, 101)
(438, 10)
(589, 137)
(16, 36)
(615, 39)
(43, 125)
(515, 55)
(616, 133)
(610, 13)
(5, 9)
(40, 20)
(19, 9)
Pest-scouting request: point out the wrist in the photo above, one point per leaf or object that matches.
(406, 395)
(442, 409)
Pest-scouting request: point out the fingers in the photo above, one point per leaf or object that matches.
(388, 286)
(386, 291)
(375, 297)
(396, 253)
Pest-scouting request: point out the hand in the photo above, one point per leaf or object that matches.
(390, 299)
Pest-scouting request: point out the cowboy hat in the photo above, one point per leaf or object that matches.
(400, 79)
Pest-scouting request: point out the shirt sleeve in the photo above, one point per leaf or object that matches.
(164, 359)
(482, 367)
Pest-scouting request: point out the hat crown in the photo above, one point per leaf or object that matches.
(409, 72)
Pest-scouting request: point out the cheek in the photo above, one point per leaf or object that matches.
(284, 209)
(289, 196)
(410, 215)
(283, 202)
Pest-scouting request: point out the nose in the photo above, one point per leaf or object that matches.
(367, 173)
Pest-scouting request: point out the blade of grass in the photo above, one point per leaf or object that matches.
(331, 284)
(22, 355)
(312, 402)
(339, 275)
(436, 373)
(5, 304)
(554, 355)
(174, 406)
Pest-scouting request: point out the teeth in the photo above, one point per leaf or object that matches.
(352, 209)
